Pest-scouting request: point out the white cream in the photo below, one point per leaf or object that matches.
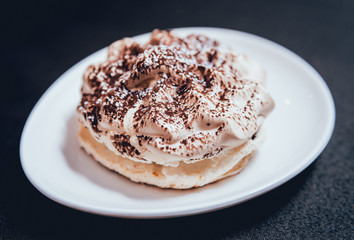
(219, 123)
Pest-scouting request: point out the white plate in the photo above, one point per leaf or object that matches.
(296, 132)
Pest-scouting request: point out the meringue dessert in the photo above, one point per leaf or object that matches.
(175, 112)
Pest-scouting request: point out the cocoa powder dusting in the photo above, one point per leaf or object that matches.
(172, 82)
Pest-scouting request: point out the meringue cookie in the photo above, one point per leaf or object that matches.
(173, 101)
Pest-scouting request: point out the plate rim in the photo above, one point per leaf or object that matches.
(186, 210)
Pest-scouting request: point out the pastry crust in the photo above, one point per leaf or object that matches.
(183, 176)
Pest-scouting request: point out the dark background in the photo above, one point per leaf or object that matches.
(41, 40)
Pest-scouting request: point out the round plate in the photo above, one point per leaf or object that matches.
(296, 132)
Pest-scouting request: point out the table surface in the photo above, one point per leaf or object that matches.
(41, 41)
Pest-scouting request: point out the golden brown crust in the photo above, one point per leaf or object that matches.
(182, 177)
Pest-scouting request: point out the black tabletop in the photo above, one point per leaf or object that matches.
(41, 40)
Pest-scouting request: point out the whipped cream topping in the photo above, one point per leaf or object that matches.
(173, 99)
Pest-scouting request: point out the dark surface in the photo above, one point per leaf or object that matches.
(40, 41)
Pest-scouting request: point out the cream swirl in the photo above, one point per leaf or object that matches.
(173, 99)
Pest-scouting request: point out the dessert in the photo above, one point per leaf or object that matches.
(174, 112)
